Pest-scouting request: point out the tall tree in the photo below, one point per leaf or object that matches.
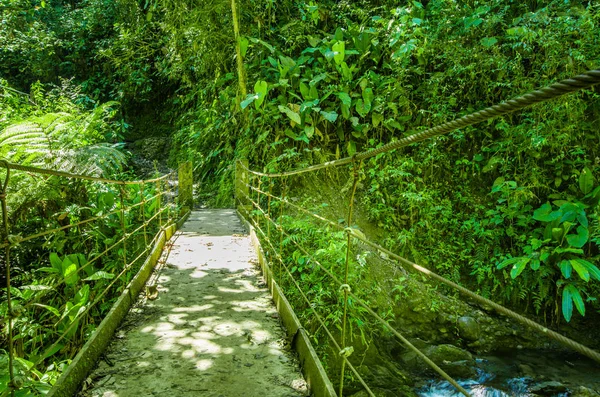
(242, 92)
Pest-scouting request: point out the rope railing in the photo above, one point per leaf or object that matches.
(124, 212)
(249, 183)
(345, 288)
(576, 83)
(594, 355)
(16, 240)
(44, 171)
(312, 308)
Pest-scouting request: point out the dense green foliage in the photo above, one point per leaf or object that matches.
(508, 207)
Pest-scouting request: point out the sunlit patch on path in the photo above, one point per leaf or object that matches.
(212, 331)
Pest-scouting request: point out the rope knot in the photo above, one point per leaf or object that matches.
(347, 351)
(345, 288)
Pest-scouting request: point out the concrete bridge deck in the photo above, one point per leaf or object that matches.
(209, 329)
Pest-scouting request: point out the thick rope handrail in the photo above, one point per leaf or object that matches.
(44, 171)
(69, 226)
(563, 87)
(427, 360)
(594, 355)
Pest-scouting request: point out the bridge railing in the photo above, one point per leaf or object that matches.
(269, 213)
(119, 233)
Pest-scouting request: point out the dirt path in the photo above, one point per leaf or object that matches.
(213, 329)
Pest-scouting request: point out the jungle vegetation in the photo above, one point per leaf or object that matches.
(508, 207)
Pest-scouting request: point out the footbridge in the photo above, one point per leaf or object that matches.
(168, 299)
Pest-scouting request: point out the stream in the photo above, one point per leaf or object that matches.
(525, 373)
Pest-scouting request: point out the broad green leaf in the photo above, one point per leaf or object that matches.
(291, 134)
(557, 233)
(305, 91)
(266, 45)
(261, 89)
(330, 116)
(249, 99)
(578, 240)
(559, 250)
(108, 199)
(310, 105)
(309, 130)
(545, 214)
(361, 108)
(243, 45)
(82, 296)
(345, 111)
(507, 262)
(582, 219)
(362, 42)
(51, 309)
(586, 181)
(565, 268)
(376, 119)
(55, 261)
(368, 97)
(339, 52)
(295, 117)
(571, 294)
(567, 303)
(52, 350)
(100, 274)
(35, 287)
(313, 93)
(583, 272)
(347, 71)
(48, 270)
(488, 41)
(518, 267)
(591, 268)
(535, 264)
(345, 98)
(351, 148)
(69, 271)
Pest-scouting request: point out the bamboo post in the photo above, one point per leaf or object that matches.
(238, 51)
(186, 180)
(241, 189)
(143, 210)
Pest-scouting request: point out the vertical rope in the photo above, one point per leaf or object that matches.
(143, 209)
(123, 227)
(168, 200)
(345, 287)
(258, 198)
(269, 210)
(283, 193)
(159, 203)
(11, 354)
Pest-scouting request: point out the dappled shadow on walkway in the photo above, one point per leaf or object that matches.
(212, 331)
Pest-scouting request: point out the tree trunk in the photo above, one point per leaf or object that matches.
(242, 92)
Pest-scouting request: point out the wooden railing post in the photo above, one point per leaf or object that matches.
(186, 180)
(241, 189)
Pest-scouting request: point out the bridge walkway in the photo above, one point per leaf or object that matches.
(212, 329)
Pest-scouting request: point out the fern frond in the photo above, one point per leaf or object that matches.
(57, 140)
